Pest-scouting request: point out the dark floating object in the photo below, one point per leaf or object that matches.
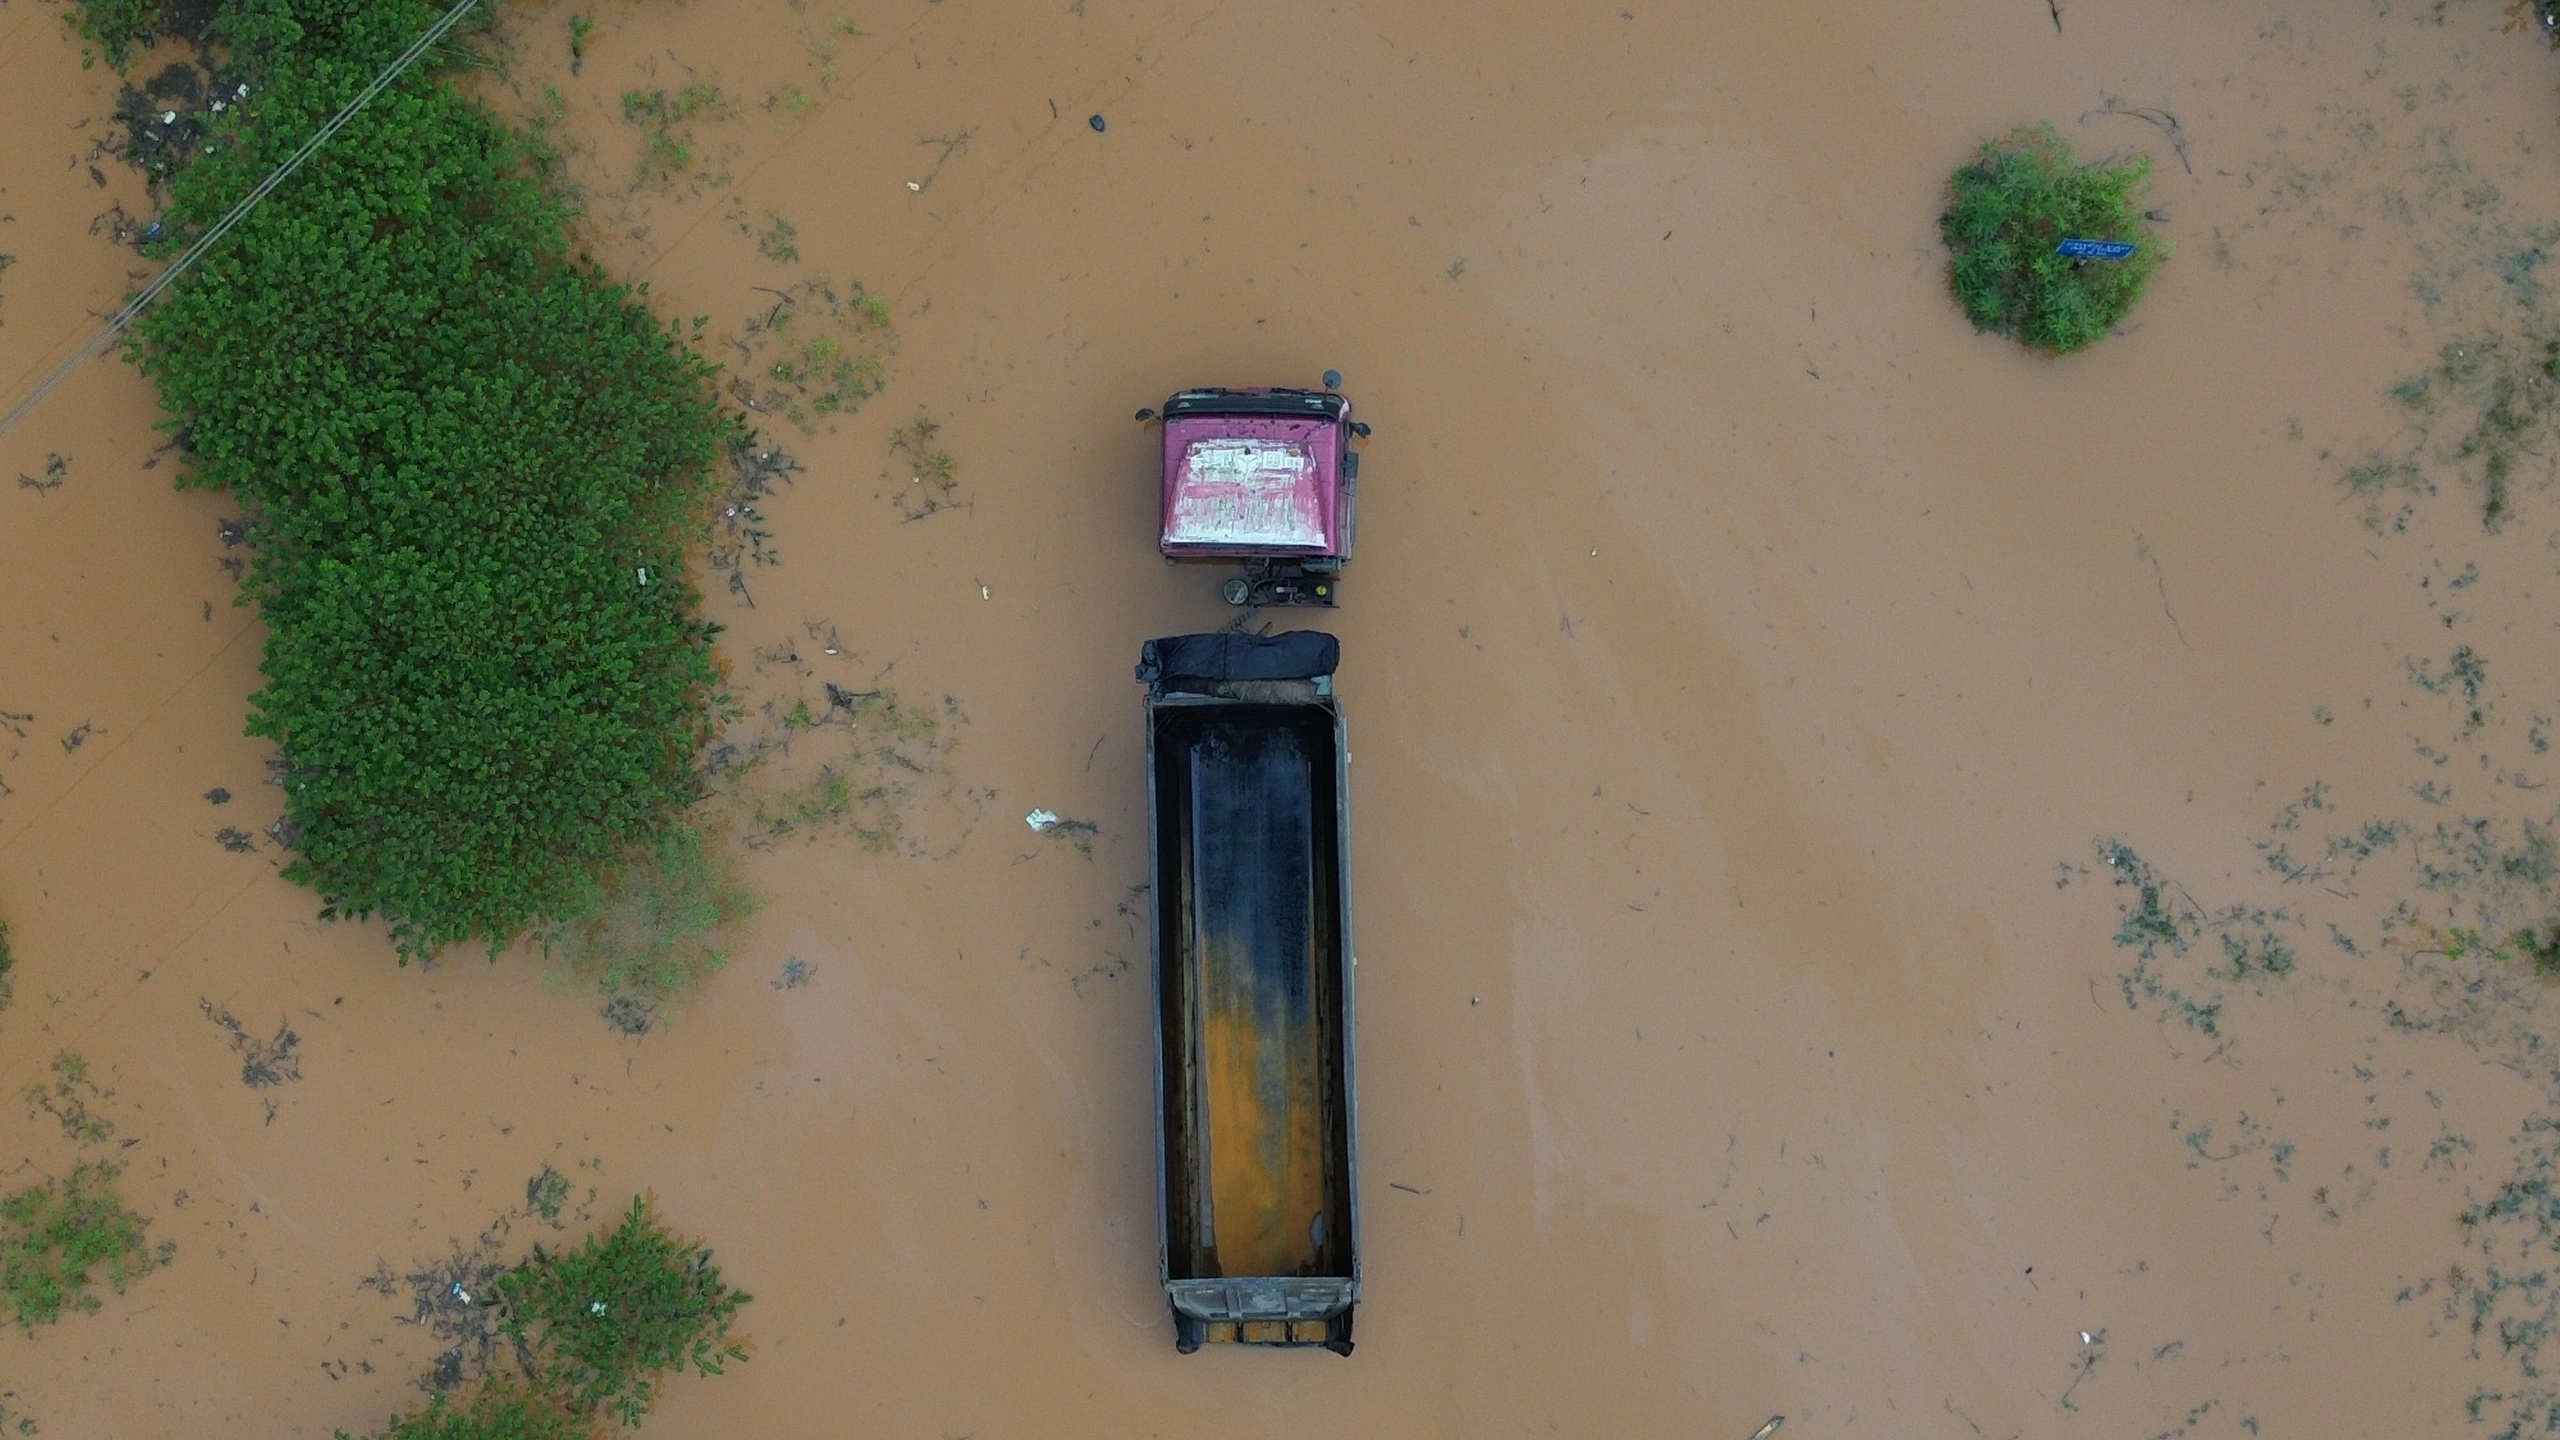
(1096, 123)
(1333, 379)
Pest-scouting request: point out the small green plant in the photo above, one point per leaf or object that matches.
(67, 1100)
(8, 987)
(932, 475)
(643, 931)
(790, 103)
(2008, 209)
(580, 27)
(2540, 947)
(498, 1410)
(58, 1236)
(780, 241)
(546, 1192)
(604, 1323)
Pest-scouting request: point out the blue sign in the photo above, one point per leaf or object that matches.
(2095, 249)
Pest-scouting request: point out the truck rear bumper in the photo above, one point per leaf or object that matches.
(1264, 1310)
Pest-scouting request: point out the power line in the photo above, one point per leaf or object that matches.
(239, 212)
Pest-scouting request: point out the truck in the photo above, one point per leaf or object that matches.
(1249, 844)
(1266, 478)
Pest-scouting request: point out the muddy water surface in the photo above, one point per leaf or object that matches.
(1743, 660)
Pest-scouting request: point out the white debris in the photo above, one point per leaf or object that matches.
(168, 117)
(1040, 820)
(644, 574)
(912, 185)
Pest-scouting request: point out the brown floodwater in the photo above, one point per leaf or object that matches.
(1742, 658)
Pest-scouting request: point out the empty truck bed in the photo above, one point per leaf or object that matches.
(1253, 987)
(1250, 1016)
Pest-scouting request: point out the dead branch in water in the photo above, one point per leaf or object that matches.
(2167, 123)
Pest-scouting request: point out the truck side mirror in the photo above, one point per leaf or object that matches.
(1146, 415)
(1360, 428)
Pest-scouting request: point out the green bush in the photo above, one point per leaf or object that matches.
(604, 1323)
(55, 1237)
(2008, 208)
(114, 26)
(472, 466)
(8, 987)
(499, 1410)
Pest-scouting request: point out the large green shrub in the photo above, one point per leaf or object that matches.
(606, 1321)
(472, 466)
(2007, 209)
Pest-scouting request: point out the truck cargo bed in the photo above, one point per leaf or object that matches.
(1253, 994)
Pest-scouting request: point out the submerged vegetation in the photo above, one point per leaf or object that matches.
(58, 1239)
(669, 147)
(643, 931)
(2010, 207)
(2486, 406)
(498, 1410)
(473, 466)
(816, 353)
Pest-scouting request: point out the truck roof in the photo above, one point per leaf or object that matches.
(1252, 485)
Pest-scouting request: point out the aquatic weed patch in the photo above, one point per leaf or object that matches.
(2011, 206)
(847, 762)
(69, 1097)
(474, 465)
(2443, 927)
(670, 144)
(2488, 407)
(2162, 926)
(817, 352)
(61, 1238)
